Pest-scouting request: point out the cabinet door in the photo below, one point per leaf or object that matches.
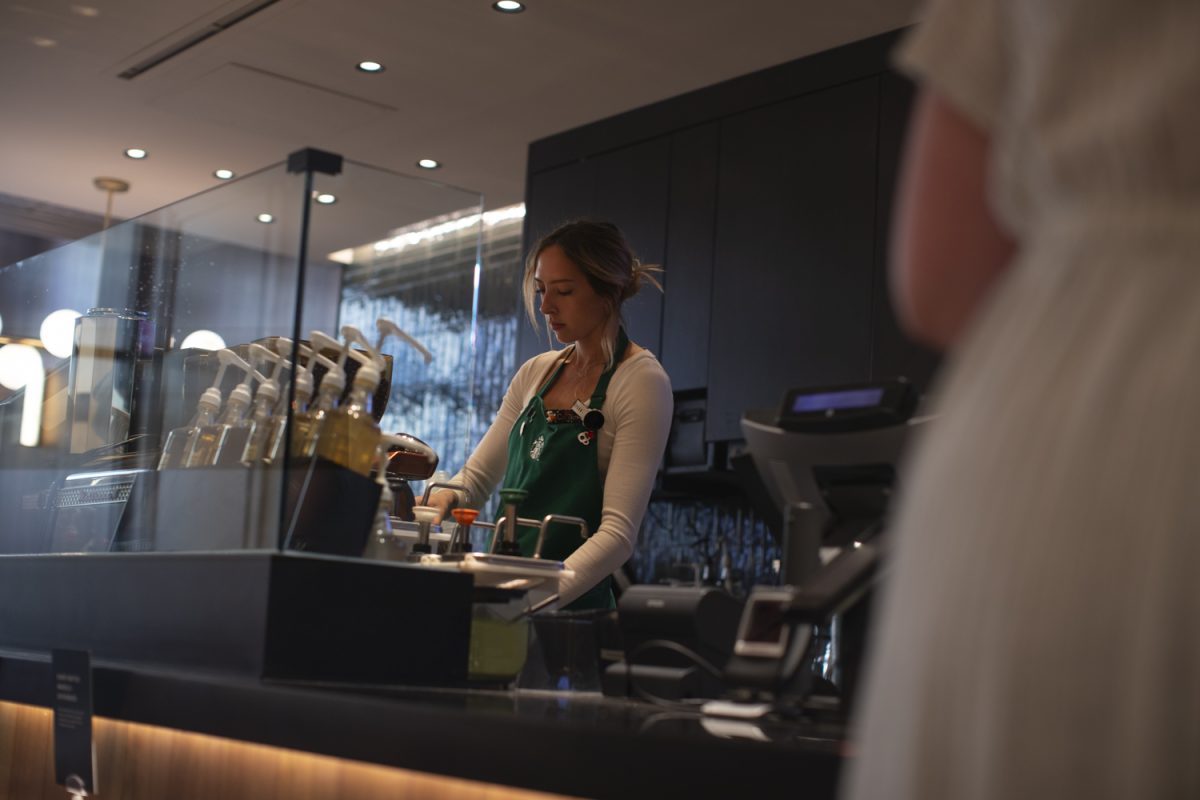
(627, 187)
(689, 264)
(553, 197)
(791, 300)
(631, 193)
(895, 354)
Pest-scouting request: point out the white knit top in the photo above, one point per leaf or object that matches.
(637, 419)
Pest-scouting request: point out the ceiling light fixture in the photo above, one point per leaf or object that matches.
(86, 11)
(110, 186)
(428, 163)
(369, 66)
(325, 198)
(223, 174)
(508, 6)
(265, 218)
(136, 153)
(43, 41)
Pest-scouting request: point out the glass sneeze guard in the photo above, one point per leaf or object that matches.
(148, 379)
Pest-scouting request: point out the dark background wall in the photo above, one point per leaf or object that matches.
(766, 199)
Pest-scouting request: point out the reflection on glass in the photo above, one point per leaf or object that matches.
(57, 331)
(202, 340)
(88, 403)
(21, 368)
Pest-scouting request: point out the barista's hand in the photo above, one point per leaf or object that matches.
(443, 500)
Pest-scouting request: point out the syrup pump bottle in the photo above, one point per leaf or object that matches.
(349, 434)
(307, 426)
(266, 398)
(179, 441)
(381, 545)
(303, 388)
(206, 444)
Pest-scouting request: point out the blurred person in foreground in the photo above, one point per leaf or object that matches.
(1040, 629)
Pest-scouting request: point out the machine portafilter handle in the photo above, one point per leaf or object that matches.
(563, 518)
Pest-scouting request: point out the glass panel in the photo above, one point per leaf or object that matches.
(122, 429)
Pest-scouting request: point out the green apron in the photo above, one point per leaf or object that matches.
(557, 463)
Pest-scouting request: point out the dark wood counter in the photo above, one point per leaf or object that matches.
(568, 743)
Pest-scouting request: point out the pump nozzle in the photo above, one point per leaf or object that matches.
(371, 363)
(302, 375)
(386, 328)
(353, 335)
(268, 387)
(212, 395)
(241, 396)
(335, 374)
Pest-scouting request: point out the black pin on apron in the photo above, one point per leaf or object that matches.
(558, 464)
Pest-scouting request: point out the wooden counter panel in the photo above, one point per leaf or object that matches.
(142, 762)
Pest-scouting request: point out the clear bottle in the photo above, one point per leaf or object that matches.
(205, 448)
(349, 435)
(263, 413)
(180, 440)
(303, 392)
(382, 545)
(306, 428)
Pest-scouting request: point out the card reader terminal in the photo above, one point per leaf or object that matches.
(859, 406)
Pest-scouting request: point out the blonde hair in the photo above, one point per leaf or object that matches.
(601, 253)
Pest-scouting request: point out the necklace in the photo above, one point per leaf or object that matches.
(582, 372)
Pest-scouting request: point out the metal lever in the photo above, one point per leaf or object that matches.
(440, 485)
(577, 521)
(499, 526)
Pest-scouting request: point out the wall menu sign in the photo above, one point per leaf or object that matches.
(74, 750)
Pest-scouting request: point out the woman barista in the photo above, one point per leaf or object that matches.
(548, 438)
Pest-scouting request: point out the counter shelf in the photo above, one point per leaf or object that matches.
(574, 743)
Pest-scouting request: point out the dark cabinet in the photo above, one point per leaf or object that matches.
(627, 187)
(893, 353)
(794, 253)
(768, 201)
(691, 224)
(552, 197)
(631, 192)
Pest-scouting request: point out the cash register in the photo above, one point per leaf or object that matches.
(827, 458)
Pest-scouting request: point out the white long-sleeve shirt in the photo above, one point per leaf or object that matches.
(637, 418)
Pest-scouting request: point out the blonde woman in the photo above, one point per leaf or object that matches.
(1039, 636)
(581, 429)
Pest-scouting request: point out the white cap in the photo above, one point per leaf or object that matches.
(240, 395)
(335, 375)
(269, 390)
(367, 377)
(211, 398)
(304, 384)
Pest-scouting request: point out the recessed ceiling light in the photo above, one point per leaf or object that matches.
(43, 41)
(508, 6)
(86, 11)
(136, 153)
(265, 218)
(223, 174)
(428, 163)
(325, 198)
(370, 66)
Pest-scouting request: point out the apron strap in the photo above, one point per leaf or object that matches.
(597, 399)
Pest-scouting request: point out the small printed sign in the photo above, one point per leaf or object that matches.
(74, 749)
